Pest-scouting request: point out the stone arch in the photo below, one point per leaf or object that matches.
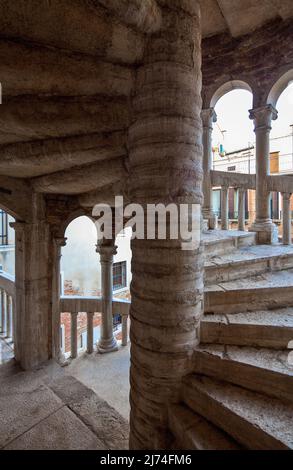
(226, 88)
(9, 211)
(279, 87)
(70, 218)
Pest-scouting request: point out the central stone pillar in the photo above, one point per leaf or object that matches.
(208, 118)
(165, 151)
(266, 231)
(107, 249)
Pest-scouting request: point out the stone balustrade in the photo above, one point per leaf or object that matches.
(282, 184)
(7, 305)
(90, 305)
(240, 181)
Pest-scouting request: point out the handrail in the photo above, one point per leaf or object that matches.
(233, 180)
(280, 183)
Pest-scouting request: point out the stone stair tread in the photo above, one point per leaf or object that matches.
(260, 328)
(264, 281)
(252, 253)
(193, 432)
(217, 235)
(263, 358)
(255, 420)
(282, 317)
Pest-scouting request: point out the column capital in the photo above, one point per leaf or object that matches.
(60, 241)
(106, 249)
(263, 116)
(208, 117)
(17, 226)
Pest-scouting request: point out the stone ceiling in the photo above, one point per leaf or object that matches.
(67, 72)
(240, 17)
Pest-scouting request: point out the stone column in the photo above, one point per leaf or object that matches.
(107, 249)
(90, 332)
(286, 216)
(3, 307)
(8, 316)
(266, 231)
(224, 208)
(33, 289)
(241, 209)
(208, 118)
(73, 335)
(165, 142)
(58, 243)
(124, 330)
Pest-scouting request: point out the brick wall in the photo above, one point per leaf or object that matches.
(259, 59)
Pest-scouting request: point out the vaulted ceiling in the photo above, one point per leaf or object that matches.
(67, 72)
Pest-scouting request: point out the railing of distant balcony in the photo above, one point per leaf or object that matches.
(283, 184)
(239, 181)
(242, 182)
(76, 305)
(7, 306)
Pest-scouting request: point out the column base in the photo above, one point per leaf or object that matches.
(266, 232)
(107, 346)
(210, 220)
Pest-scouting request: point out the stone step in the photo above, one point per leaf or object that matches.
(219, 242)
(264, 370)
(248, 261)
(193, 432)
(256, 421)
(264, 328)
(266, 291)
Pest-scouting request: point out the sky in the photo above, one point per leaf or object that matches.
(232, 112)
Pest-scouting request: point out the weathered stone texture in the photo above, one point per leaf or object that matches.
(165, 166)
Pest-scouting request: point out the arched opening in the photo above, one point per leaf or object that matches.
(81, 281)
(226, 88)
(281, 143)
(279, 87)
(233, 150)
(7, 286)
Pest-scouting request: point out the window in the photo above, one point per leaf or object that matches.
(119, 275)
(3, 228)
(232, 168)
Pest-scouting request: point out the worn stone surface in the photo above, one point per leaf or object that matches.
(269, 290)
(165, 166)
(106, 423)
(264, 370)
(47, 410)
(256, 421)
(192, 432)
(247, 262)
(62, 430)
(264, 328)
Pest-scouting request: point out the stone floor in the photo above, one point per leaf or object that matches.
(107, 375)
(49, 409)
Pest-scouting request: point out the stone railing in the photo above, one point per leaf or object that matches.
(90, 305)
(7, 302)
(240, 181)
(284, 184)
